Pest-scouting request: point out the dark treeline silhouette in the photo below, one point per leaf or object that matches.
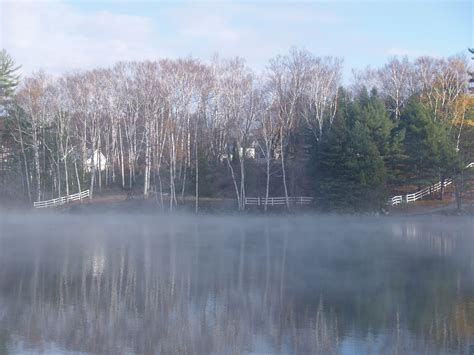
(180, 128)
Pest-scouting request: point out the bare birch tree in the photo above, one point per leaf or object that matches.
(34, 101)
(320, 97)
(288, 79)
(268, 130)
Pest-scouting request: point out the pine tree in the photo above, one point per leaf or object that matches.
(367, 168)
(331, 176)
(431, 154)
(350, 172)
(8, 75)
(386, 135)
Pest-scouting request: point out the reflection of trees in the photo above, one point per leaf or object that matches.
(169, 294)
(462, 318)
(196, 287)
(440, 240)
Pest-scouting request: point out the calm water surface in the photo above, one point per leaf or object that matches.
(233, 285)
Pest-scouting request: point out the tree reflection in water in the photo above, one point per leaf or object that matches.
(235, 285)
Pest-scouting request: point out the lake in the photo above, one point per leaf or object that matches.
(122, 284)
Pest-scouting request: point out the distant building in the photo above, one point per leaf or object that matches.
(97, 159)
(225, 156)
(249, 152)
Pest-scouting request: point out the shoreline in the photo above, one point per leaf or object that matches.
(119, 202)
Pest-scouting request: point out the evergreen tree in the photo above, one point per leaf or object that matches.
(396, 157)
(8, 76)
(330, 174)
(386, 135)
(350, 173)
(431, 155)
(372, 112)
(367, 169)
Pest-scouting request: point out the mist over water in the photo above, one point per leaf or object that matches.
(201, 284)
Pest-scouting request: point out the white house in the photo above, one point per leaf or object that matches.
(249, 152)
(97, 159)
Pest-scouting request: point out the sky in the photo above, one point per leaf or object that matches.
(62, 36)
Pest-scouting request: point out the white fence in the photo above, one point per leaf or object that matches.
(395, 200)
(62, 200)
(427, 191)
(275, 201)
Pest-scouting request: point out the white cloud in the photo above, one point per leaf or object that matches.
(57, 37)
(251, 30)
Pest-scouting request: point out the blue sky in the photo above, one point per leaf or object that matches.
(66, 35)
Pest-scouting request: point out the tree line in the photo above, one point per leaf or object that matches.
(177, 128)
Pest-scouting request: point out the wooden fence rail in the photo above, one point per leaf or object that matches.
(418, 195)
(271, 201)
(61, 200)
(275, 201)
